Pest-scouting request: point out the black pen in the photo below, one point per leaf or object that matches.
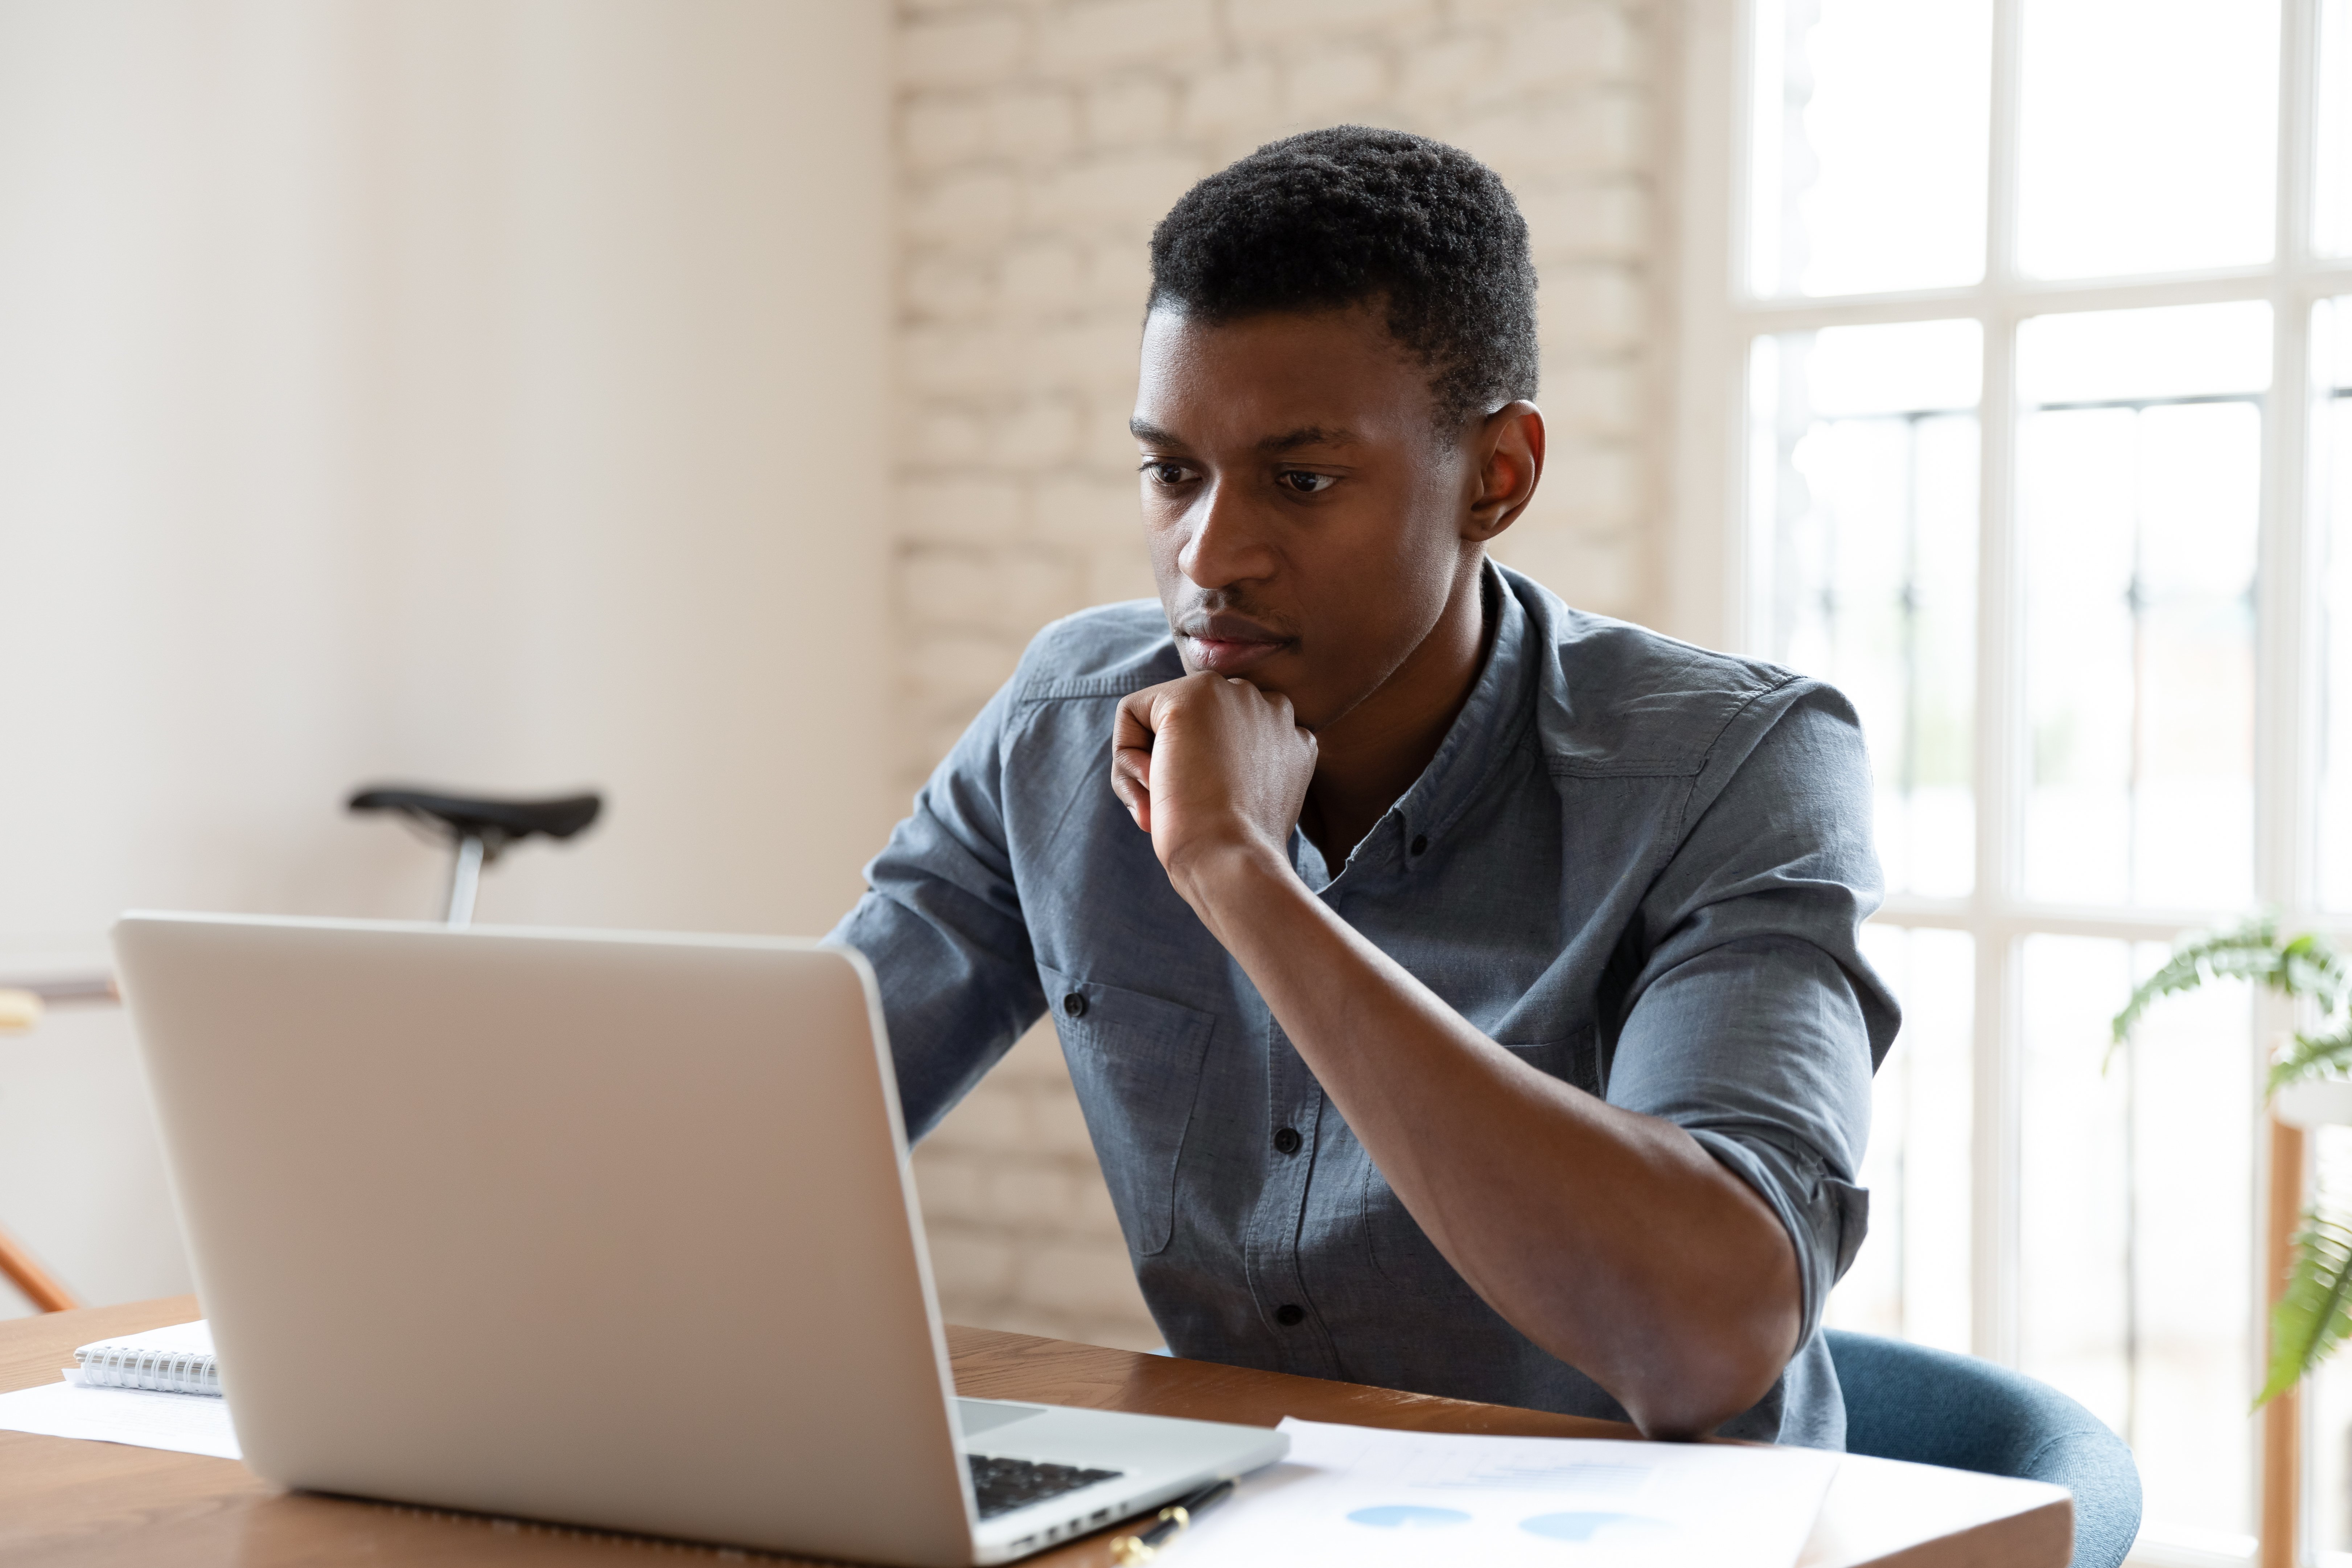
(1145, 1545)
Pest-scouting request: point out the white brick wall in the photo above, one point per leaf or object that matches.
(1038, 141)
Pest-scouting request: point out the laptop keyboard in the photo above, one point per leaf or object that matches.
(1003, 1485)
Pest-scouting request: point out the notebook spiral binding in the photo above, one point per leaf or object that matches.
(161, 1372)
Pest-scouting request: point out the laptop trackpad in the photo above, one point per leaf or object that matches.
(978, 1415)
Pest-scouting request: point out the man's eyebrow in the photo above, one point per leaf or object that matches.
(1153, 435)
(1307, 436)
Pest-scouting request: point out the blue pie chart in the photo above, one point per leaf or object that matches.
(1408, 1516)
(1591, 1527)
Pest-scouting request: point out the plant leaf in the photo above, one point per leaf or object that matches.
(2252, 952)
(2313, 1056)
(2309, 966)
(2312, 1318)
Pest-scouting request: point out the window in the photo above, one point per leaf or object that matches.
(2017, 401)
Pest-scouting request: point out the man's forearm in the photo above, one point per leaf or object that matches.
(1612, 1240)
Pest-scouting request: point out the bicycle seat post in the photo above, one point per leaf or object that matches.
(465, 880)
(479, 829)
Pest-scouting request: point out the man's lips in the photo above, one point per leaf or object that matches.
(1229, 645)
(1229, 656)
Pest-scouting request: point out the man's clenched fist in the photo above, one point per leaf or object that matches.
(1209, 763)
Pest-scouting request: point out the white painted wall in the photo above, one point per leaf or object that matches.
(488, 392)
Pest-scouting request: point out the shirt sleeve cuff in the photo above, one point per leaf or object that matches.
(1826, 1218)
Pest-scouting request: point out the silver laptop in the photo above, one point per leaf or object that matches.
(608, 1229)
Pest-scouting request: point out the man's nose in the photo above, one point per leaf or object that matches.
(1225, 545)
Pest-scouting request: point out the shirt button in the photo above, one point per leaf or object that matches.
(1289, 1316)
(1075, 1006)
(1287, 1140)
(1421, 843)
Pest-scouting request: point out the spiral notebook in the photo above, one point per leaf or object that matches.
(156, 1390)
(177, 1360)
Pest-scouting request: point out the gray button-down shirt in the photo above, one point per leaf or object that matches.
(1637, 865)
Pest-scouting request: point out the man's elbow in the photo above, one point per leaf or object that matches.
(1685, 1409)
(1711, 1372)
(1729, 1327)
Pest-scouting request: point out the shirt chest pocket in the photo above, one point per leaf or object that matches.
(1136, 1063)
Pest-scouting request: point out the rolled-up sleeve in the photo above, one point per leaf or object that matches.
(941, 924)
(1754, 1023)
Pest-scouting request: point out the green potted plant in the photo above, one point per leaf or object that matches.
(2314, 1316)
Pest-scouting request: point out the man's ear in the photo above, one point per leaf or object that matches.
(1507, 449)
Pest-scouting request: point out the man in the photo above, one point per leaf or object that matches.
(1462, 990)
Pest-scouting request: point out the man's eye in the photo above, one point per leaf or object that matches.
(1307, 484)
(1165, 473)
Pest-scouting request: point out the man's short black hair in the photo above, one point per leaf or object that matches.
(1345, 215)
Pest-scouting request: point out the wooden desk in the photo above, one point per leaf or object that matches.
(68, 1504)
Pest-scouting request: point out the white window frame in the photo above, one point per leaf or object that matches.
(1708, 597)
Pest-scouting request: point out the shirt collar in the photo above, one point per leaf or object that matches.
(1489, 726)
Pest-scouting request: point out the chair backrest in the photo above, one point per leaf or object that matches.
(1907, 1402)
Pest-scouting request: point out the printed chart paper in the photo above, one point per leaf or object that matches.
(1369, 1499)
(184, 1423)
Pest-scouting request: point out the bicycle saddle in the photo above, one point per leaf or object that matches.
(497, 822)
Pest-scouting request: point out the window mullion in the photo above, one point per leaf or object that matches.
(2027, 297)
(1999, 725)
(2287, 631)
(2298, 133)
(2001, 182)
(2287, 589)
(2289, 625)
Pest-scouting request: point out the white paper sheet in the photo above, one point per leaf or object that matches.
(1371, 1498)
(185, 1423)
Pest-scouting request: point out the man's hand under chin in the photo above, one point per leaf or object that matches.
(1216, 770)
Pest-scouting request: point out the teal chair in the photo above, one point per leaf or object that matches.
(1907, 1402)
